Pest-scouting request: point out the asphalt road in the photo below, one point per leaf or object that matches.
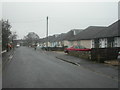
(0, 71)
(37, 69)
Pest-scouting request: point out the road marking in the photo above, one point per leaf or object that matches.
(4, 51)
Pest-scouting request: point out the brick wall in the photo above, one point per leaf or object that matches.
(102, 54)
(81, 54)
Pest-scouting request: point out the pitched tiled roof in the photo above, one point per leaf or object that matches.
(51, 38)
(69, 35)
(111, 31)
(42, 40)
(60, 37)
(88, 33)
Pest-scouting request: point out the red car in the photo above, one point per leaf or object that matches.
(76, 48)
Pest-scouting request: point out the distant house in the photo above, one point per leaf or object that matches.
(63, 39)
(57, 41)
(108, 37)
(86, 36)
(66, 40)
(91, 37)
(42, 42)
(51, 40)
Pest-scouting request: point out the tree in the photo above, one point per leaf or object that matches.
(13, 38)
(5, 33)
(31, 38)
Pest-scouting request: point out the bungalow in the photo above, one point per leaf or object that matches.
(91, 37)
(62, 40)
(42, 42)
(108, 37)
(51, 40)
(66, 40)
(55, 41)
(84, 38)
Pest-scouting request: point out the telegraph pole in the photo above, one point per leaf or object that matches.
(47, 34)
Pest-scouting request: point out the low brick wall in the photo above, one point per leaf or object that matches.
(81, 54)
(97, 54)
(102, 54)
(6, 55)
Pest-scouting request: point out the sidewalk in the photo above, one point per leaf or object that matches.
(6, 56)
(101, 68)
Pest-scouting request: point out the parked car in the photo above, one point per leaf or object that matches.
(76, 48)
(18, 45)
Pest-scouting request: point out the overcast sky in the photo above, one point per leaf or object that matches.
(63, 16)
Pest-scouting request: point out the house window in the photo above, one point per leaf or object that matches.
(96, 43)
(110, 42)
(115, 42)
(93, 44)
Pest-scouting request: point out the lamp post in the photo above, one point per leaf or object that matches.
(47, 34)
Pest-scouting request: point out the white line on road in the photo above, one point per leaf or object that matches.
(4, 51)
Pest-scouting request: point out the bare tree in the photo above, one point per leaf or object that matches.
(31, 38)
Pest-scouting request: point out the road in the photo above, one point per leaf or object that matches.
(0, 71)
(37, 69)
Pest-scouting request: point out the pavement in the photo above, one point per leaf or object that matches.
(101, 68)
(29, 68)
(6, 56)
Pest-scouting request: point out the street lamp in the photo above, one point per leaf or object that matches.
(47, 34)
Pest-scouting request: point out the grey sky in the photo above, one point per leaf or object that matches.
(0, 10)
(29, 16)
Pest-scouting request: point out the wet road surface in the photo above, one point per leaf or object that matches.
(37, 69)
